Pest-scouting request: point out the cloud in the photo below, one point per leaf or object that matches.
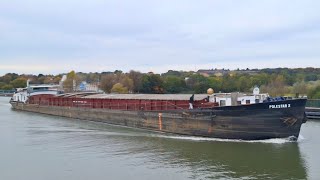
(161, 35)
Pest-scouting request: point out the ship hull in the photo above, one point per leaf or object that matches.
(278, 119)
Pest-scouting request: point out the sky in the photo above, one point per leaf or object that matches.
(57, 36)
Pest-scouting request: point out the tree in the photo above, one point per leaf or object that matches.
(126, 82)
(314, 93)
(119, 88)
(70, 83)
(2, 84)
(7, 78)
(244, 84)
(107, 82)
(152, 83)
(173, 84)
(19, 83)
(198, 83)
(311, 77)
(92, 77)
(41, 80)
(56, 79)
(259, 79)
(117, 72)
(136, 77)
(215, 83)
(48, 80)
(229, 84)
(276, 87)
(7, 87)
(172, 73)
(299, 88)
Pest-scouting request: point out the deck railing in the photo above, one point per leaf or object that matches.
(6, 92)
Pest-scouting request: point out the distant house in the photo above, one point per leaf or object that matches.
(84, 86)
(216, 72)
(221, 72)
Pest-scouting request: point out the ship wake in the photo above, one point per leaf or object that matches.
(270, 141)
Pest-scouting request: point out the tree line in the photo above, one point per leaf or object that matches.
(276, 82)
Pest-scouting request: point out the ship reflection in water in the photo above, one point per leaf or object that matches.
(46, 147)
(165, 156)
(274, 159)
(237, 160)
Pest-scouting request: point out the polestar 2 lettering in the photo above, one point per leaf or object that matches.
(277, 106)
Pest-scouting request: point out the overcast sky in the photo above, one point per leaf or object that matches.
(56, 36)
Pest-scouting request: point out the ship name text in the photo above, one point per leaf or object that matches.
(276, 106)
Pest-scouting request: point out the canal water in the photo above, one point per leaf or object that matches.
(35, 146)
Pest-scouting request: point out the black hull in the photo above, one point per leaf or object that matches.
(279, 119)
(256, 121)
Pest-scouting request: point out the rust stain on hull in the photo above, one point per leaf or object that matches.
(160, 121)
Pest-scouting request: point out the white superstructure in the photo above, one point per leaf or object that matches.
(233, 99)
(23, 94)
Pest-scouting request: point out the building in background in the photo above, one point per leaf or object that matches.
(84, 86)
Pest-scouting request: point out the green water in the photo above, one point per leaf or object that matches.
(38, 147)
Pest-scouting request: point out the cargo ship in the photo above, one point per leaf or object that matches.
(217, 115)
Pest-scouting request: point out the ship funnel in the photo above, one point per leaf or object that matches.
(64, 78)
(28, 82)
